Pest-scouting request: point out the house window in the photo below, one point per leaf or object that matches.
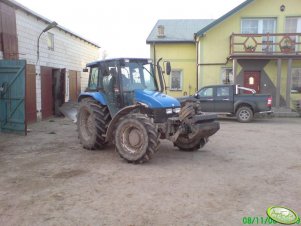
(251, 81)
(176, 80)
(50, 41)
(260, 26)
(296, 80)
(249, 26)
(227, 76)
(293, 25)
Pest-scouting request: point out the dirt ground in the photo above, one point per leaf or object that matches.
(46, 178)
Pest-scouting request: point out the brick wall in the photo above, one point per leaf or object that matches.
(69, 52)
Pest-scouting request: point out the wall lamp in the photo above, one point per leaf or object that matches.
(282, 8)
(50, 26)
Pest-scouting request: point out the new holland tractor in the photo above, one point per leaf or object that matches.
(123, 104)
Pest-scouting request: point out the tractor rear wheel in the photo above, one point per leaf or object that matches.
(136, 138)
(184, 143)
(92, 122)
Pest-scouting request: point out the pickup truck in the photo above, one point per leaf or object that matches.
(230, 100)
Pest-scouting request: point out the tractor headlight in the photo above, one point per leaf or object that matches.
(177, 110)
(168, 111)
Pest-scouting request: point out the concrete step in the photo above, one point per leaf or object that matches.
(285, 112)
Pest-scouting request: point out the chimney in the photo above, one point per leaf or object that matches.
(160, 31)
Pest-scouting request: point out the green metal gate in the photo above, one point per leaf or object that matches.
(12, 96)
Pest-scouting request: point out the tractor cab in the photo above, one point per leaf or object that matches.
(122, 82)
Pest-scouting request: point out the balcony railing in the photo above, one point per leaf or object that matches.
(265, 44)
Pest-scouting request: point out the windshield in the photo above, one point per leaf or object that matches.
(138, 75)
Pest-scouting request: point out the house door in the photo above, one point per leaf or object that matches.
(58, 79)
(12, 96)
(47, 93)
(31, 103)
(252, 80)
(74, 85)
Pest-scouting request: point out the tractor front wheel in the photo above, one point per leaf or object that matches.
(136, 138)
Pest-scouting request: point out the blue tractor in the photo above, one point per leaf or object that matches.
(123, 104)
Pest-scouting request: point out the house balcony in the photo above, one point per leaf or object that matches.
(265, 46)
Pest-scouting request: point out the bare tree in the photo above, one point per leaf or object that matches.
(104, 54)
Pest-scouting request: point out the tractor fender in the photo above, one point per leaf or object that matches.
(95, 95)
(119, 114)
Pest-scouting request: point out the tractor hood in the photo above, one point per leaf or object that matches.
(156, 99)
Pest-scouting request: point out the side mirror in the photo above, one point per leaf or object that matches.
(196, 95)
(168, 68)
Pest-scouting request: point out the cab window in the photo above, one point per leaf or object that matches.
(222, 91)
(93, 78)
(206, 92)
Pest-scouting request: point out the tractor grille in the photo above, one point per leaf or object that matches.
(160, 115)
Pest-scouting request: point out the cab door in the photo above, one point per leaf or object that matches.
(206, 97)
(223, 99)
(111, 88)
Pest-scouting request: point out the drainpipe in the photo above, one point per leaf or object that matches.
(154, 51)
(203, 64)
(215, 64)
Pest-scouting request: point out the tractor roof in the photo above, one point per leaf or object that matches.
(115, 59)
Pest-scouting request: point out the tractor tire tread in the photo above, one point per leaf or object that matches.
(194, 145)
(102, 118)
(153, 137)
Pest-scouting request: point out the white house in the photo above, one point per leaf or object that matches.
(54, 69)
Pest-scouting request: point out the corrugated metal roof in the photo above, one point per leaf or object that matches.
(177, 30)
(17, 5)
(222, 18)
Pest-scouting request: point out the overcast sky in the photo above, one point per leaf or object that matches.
(121, 27)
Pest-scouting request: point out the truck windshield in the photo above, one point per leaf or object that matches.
(138, 75)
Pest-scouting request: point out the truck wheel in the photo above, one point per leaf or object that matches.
(244, 114)
(92, 122)
(185, 144)
(136, 138)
